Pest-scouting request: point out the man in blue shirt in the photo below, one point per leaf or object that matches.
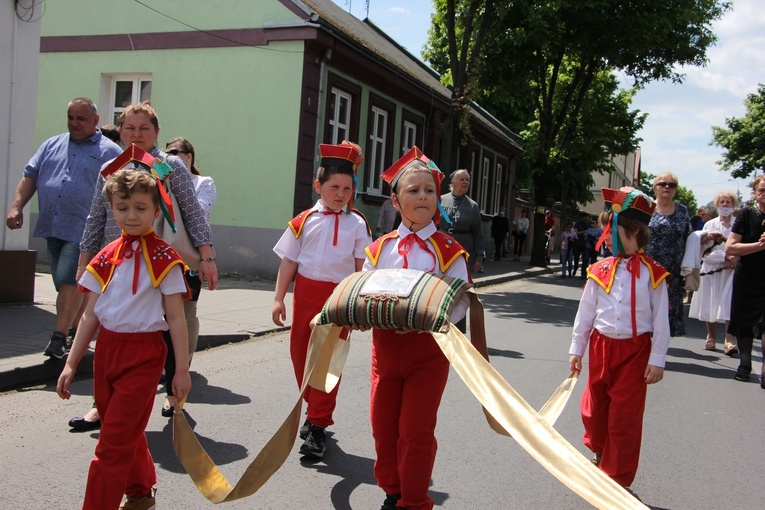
(63, 173)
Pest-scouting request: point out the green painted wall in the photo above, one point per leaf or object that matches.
(68, 17)
(238, 106)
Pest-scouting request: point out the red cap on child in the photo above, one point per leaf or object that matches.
(345, 155)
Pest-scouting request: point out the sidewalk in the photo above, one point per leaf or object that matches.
(239, 309)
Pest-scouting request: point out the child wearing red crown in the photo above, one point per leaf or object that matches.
(132, 283)
(409, 371)
(623, 316)
(322, 246)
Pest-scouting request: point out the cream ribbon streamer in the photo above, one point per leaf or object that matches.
(324, 363)
(506, 411)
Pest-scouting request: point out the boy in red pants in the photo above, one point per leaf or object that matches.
(322, 246)
(623, 314)
(132, 283)
(409, 371)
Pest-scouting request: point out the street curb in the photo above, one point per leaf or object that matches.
(47, 372)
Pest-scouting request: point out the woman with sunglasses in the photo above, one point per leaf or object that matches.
(206, 195)
(139, 125)
(670, 225)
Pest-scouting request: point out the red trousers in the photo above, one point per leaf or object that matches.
(614, 401)
(308, 298)
(126, 368)
(409, 374)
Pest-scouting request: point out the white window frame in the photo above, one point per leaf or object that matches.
(482, 198)
(335, 122)
(377, 144)
(109, 91)
(410, 136)
(497, 200)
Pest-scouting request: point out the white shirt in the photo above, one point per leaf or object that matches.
(317, 258)
(611, 313)
(119, 310)
(206, 193)
(522, 224)
(418, 258)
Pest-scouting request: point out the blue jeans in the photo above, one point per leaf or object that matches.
(63, 257)
(566, 258)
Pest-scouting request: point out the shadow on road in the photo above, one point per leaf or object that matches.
(353, 471)
(531, 307)
(161, 447)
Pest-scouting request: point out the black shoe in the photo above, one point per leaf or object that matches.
(390, 502)
(315, 442)
(305, 429)
(56, 346)
(82, 425)
(742, 374)
(596, 459)
(168, 411)
(762, 382)
(70, 339)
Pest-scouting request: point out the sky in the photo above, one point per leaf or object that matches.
(678, 129)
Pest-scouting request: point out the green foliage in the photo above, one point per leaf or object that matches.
(744, 138)
(545, 70)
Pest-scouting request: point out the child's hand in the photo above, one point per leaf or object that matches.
(653, 374)
(278, 312)
(62, 387)
(575, 363)
(181, 385)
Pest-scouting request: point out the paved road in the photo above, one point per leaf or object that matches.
(703, 446)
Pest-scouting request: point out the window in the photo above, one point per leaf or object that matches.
(376, 148)
(484, 196)
(379, 142)
(339, 110)
(410, 136)
(126, 89)
(497, 200)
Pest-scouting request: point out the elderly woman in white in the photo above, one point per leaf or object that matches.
(711, 302)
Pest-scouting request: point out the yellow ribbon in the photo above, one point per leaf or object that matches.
(506, 411)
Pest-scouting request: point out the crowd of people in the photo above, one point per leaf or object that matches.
(102, 236)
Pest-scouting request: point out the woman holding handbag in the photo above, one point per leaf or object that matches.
(206, 195)
(139, 126)
(711, 302)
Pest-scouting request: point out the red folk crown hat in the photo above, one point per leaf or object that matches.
(416, 157)
(413, 157)
(630, 202)
(346, 155)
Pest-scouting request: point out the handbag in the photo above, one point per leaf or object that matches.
(693, 280)
(180, 239)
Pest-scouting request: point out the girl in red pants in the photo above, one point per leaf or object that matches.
(409, 371)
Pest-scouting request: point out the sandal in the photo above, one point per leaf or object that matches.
(710, 345)
(730, 349)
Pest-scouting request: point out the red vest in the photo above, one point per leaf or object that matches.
(447, 249)
(604, 271)
(296, 224)
(160, 258)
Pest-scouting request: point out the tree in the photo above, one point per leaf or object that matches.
(744, 139)
(461, 26)
(547, 58)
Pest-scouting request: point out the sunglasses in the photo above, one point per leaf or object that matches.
(670, 185)
(175, 152)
